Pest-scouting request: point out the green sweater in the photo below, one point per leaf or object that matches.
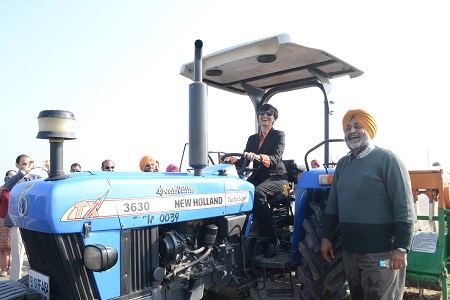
(371, 200)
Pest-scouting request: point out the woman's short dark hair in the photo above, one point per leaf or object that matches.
(266, 107)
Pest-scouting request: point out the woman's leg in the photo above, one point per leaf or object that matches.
(262, 213)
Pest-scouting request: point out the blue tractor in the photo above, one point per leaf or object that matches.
(261, 70)
(102, 235)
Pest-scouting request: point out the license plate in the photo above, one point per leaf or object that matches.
(39, 282)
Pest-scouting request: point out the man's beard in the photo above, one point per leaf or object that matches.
(363, 141)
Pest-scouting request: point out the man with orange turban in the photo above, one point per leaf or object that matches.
(147, 164)
(364, 119)
(371, 202)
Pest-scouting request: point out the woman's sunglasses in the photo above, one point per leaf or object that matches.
(262, 113)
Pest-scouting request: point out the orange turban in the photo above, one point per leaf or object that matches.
(145, 160)
(364, 118)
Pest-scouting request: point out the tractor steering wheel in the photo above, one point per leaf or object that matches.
(246, 170)
(237, 156)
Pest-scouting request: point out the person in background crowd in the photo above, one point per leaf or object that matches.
(172, 168)
(10, 173)
(148, 164)
(108, 166)
(25, 165)
(75, 167)
(5, 232)
(371, 202)
(437, 164)
(315, 164)
(265, 149)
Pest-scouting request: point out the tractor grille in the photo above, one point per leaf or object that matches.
(60, 256)
(139, 257)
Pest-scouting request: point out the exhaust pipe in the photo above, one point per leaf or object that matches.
(198, 116)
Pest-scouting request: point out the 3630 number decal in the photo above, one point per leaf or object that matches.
(136, 207)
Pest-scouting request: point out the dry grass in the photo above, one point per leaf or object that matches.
(413, 294)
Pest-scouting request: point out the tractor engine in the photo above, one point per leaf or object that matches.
(202, 253)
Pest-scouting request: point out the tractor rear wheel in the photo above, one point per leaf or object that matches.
(320, 279)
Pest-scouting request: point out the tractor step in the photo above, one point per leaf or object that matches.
(280, 261)
(275, 268)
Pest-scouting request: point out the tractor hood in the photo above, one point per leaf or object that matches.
(107, 200)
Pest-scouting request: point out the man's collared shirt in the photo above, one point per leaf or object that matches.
(363, 153)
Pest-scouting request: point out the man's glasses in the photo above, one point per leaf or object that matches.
(76, 171)
(109, 167)
(262, 113)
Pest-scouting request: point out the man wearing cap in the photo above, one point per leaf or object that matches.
(372, 203)
(172, 168)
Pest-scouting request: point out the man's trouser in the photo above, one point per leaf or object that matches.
(17, 251)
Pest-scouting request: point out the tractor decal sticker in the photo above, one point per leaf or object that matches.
(95, 207)
(176, 190)
(112, 208)
(22, 204)
(237, 198)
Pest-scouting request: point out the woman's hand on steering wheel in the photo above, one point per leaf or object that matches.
(252, 156)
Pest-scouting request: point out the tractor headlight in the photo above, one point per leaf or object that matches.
(99, 258)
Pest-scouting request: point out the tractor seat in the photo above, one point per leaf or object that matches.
(293, 170)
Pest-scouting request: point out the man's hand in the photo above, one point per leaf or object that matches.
(326, 249)
(46, 165)
(398, 260)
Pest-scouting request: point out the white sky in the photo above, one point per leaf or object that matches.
(115, 65)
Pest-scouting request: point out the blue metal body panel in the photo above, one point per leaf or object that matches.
(304, 192)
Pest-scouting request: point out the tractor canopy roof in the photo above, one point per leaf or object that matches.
(266, 64)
